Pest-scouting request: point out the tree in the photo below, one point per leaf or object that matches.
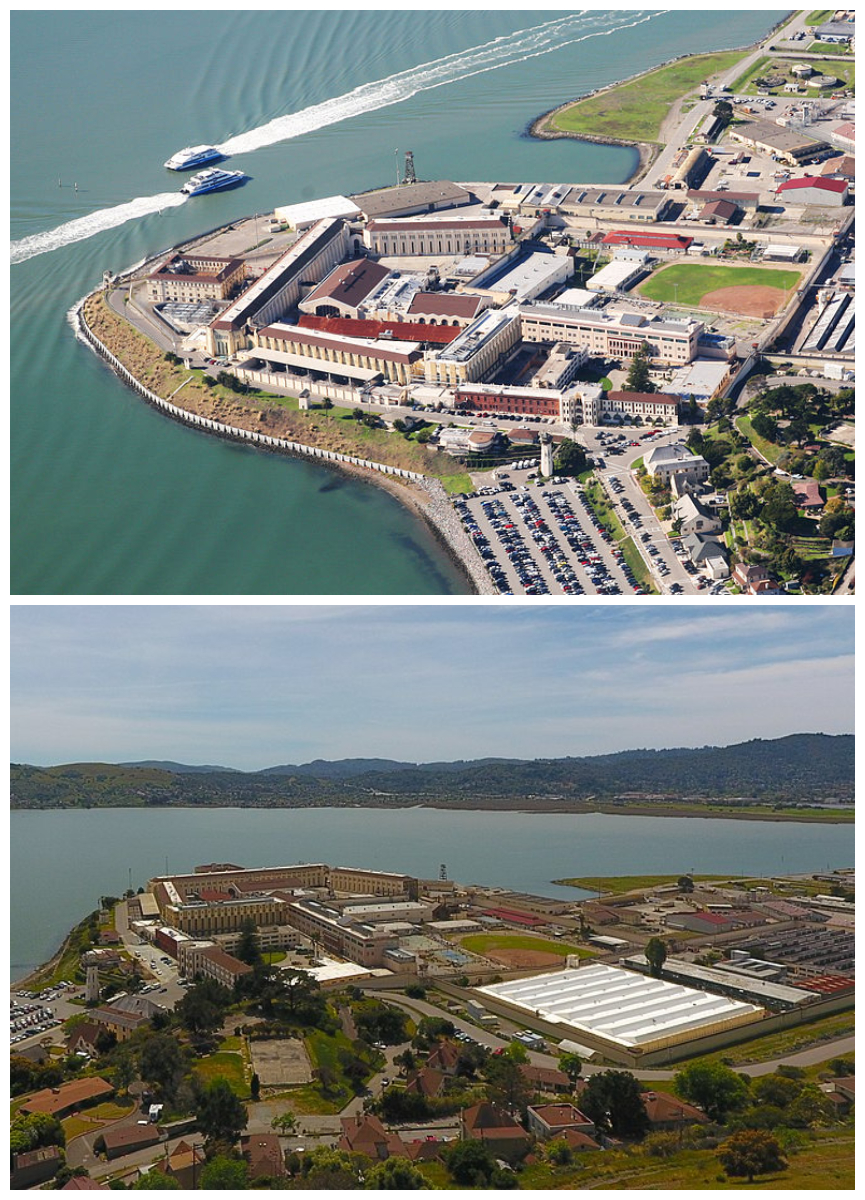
(36, 1130)
(751, 1152)
(612, 1100)
(723, 110)
(156, 1181)
(202, 1007)
(570, 458)
(284, 1123)
(638, 379)
(405, 1061)
(123, 1071)
(223, 1174)
(327, 1169)
(656, 955)
(775, 1089)
(764, 426)
(820, 470)
(249, 945)
(255, 1086)
(161, 1063)
(381, 1023)
(470, 1163)
(559, 1152)
(506, 1084)
(222, 1117)
(779, 508)
(712, 1086)
(811, 1107)
(395, 1174)
(572, 1065)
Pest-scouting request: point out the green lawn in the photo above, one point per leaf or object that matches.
(820, 16)
(770, 450)
(481, 943)
(227, 1065)
(617, 885)
(825, 1162)
(687, 283)
(635, 561)
(787, 1041)
(635, 110)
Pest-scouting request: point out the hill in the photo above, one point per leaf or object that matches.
(800, 768)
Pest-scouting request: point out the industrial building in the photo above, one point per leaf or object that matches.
(615, 336)
(310, 350)
(617, 275)
(342, 293)
(622, 1010)
(438, 235)
(187, 278)
(411, 198)
(787, 145)
(302, 216)
(310, 258)
(524, 278)
(479, 349)
(703, 379)
(814, 190)
(776, 997)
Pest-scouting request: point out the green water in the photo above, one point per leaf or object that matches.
(109, 497)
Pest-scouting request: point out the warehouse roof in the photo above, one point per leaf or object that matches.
(387, 201)
(813, 181)
(621, 1006)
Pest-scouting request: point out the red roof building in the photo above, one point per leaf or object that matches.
(365, 1134)
(398, 331)
(669, 1112)
(513, 918)
(648, 241)
(814, 189)
(807, 493)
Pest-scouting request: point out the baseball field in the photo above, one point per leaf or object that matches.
(748, 291)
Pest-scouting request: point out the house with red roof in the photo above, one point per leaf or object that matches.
(365, 1134)
(807, 493)
(551, 1120)
(669, 1112)
(495, 1128)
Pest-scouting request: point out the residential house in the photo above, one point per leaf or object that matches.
(496, 1128)
(666, 1112)
(755, 579)
(694, 516)
(444, 1057)
(63, 1100)
(263, 1152)
(550, 1120)
(82, 1039)
(426, 1082)
(35, 1166)
(365, 1134)
(184, 1163)
(546, 1079)
(126, 1139)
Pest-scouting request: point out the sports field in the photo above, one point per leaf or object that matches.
(749, 291)
(521, 950)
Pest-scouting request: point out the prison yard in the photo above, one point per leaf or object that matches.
(408, 1023)
(749, 291)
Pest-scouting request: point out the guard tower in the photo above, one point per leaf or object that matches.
(409, 176)
(546, 455)
(91, 993)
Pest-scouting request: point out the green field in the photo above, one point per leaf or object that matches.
(225, 1065)
(481, 943)
(634, 111)
(617, 885)
(687, 283)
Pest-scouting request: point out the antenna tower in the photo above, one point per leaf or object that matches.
(409, 176)
(443, 872)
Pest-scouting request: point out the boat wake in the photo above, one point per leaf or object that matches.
(96, 222)
(502, 52)
(490, 56)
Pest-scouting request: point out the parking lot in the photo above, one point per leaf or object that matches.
(541, 541)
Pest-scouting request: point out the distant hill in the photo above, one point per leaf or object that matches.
(343, 768)
(801, 767)
(180, 768)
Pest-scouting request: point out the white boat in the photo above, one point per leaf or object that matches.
(193, 156)
(212, 180)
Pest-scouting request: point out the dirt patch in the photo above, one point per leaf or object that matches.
(754, 301)
(525, 958)
(281, 1062)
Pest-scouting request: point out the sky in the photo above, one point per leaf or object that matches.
(253, 686)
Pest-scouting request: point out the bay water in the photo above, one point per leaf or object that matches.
(110, 497)
(63, 861)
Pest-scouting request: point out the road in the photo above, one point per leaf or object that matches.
(677, 136)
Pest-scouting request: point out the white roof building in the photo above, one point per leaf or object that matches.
(628, 1010)
(301, 216)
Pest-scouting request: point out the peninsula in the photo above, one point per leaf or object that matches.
(484, 349)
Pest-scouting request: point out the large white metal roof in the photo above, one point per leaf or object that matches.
(621, 1006)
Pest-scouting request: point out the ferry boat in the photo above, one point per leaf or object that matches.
(212, 180)
(193, 156)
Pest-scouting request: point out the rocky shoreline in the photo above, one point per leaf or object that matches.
(424, 497)
(647, 151)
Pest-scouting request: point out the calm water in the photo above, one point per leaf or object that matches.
(109, 497)
(63, 861)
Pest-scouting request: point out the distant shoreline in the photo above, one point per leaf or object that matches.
(542, 808)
